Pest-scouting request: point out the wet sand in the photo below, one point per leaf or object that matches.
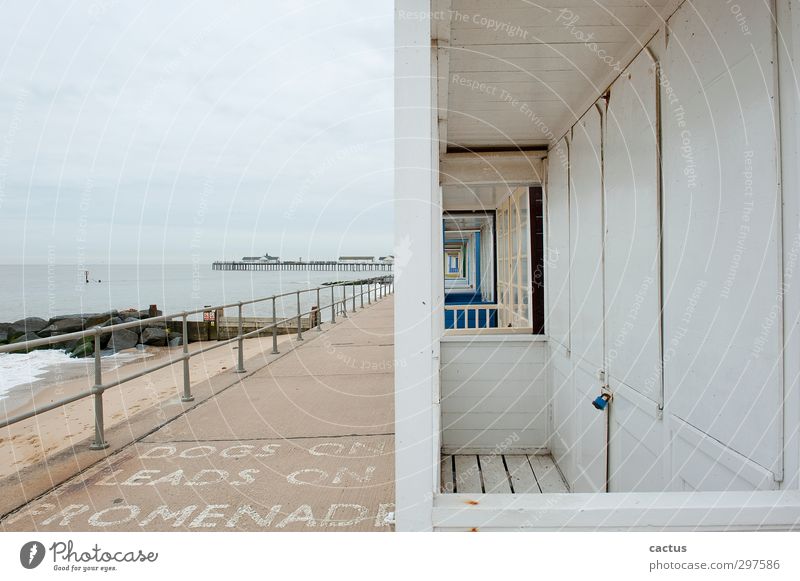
(31, 440)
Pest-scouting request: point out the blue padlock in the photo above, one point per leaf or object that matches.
(601, 401)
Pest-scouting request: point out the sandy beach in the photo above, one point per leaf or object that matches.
(30, 441)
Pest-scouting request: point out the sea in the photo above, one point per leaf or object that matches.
(46, 291)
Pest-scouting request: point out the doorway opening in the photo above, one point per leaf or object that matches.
(494, 264)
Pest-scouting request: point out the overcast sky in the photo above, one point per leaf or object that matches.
(179, 131)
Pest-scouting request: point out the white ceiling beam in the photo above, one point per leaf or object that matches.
(512, 167)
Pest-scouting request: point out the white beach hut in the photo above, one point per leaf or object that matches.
(597, 221)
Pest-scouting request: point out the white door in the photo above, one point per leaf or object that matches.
(637, 454)
(586, 302)
(557, 266)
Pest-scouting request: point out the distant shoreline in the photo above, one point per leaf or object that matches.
(46, 291)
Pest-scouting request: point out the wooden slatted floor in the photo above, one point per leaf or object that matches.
(501, 474)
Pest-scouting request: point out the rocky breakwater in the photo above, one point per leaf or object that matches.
(143, 333)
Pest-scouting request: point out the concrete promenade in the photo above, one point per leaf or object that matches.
(305, 443)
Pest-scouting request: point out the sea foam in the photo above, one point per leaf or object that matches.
(21, 368)
(25, 368)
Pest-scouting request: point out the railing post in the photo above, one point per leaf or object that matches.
(299, 321)
(354, 298)
(369, 292)
(240, 363)
(187, 390)
(274, 329)
(344, 301)
(319, 312)
(99, 430)
(333, 303)
(361, 293)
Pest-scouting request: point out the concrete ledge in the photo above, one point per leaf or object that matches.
(650, 511)
(496, 336)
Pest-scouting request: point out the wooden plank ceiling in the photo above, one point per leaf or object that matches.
(518, 73)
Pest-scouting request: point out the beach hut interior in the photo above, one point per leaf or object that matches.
(614, 225)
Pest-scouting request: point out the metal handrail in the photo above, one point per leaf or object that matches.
(383, 285)
(477, 308)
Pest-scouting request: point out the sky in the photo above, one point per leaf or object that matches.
(178, 132)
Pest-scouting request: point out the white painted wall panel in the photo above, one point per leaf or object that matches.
(563, 436)
(575, 305)
(637, 445)
(586, 235)
(557, 323)
(701, 463)
(721, 427)
(557, 251)
(586, 302)
(789, 61)
(638, 452)
(590, 427)
(494, 393)
(417, 289)
(723, 330)
(632, 254)
(722, 269)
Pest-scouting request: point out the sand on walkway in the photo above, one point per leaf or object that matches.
(32, 440)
